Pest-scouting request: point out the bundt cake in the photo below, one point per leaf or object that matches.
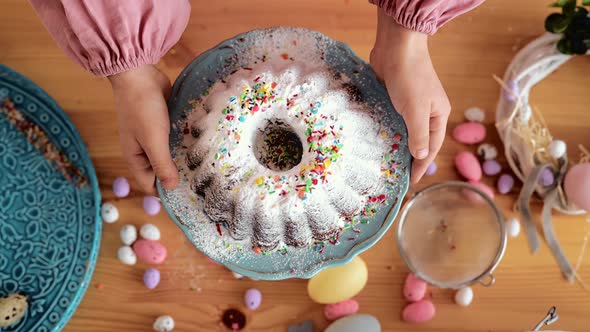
(283, 153)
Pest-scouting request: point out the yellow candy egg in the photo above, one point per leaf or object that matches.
(339, 283)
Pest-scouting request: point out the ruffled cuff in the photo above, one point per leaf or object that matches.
(108, 37)
(425, 16)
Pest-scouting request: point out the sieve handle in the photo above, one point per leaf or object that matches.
(487, 280)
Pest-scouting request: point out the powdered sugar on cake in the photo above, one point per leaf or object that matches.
(280, 153)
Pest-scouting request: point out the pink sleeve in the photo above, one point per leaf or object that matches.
(107, 37)
(425, 16)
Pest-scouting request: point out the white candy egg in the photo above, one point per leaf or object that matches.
(164, 324)
(557, 149)
(486, 151)
(150, 232)
(128, 234)
(464, 296)
(237, 275)
(474, 114)
(109, 213)
(513, 227)
(126, 255)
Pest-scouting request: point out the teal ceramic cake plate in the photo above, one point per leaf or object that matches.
(218, 63)
(49, 227)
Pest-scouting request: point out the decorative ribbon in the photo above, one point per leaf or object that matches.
(549, 200)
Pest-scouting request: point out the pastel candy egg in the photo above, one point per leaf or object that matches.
(431, 169)
(464, 296)
(237, 275)
(121, 187)
(547, 178)
(513, 227)
(149, 232)
(557, 149)
(468, 165)
(151, 278)
(128, 234)
(505, 183)
(355, 323)
(474, 114)
(151, 205)
(577, 185)
(469, 133)
(486, 151)
(419, 312)
(339, 283)
(126, 255)
(151, 252)
(109, 213)
(338, 310)
(414, 288)
(491, 167)
(252, 298)
(164, 324)
(12, 309)
(484, 188)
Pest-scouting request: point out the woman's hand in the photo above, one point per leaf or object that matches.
(140, 100)
(400, 58)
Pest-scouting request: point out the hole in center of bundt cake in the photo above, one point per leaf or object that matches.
(277, 146)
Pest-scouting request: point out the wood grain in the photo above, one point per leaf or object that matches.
(466, 53)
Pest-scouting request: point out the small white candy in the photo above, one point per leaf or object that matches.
(464, 296)
(513, 227)
(164, 324)
(128, 234)
(475, 114)
(150, 232)
(109, 213)
(126, 255)
(237, 275)
(487, 151)
(557, 149)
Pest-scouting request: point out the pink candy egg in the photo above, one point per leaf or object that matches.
(121, 187)
(468, 165)
(505, 183)
(151, 205)
(414, 288)
(577, 185)
(469, 133)
(151, 252)
(419, 312)
(342, 309)
(491, 167)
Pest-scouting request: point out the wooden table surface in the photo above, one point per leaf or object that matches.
(466, 54)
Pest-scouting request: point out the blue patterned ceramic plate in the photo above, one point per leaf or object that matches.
(221, 61)
(49, 228)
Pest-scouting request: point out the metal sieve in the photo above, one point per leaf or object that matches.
(452, 235)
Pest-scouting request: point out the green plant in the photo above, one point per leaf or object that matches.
(573, 23)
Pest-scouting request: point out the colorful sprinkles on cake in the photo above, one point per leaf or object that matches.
(322, 140)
